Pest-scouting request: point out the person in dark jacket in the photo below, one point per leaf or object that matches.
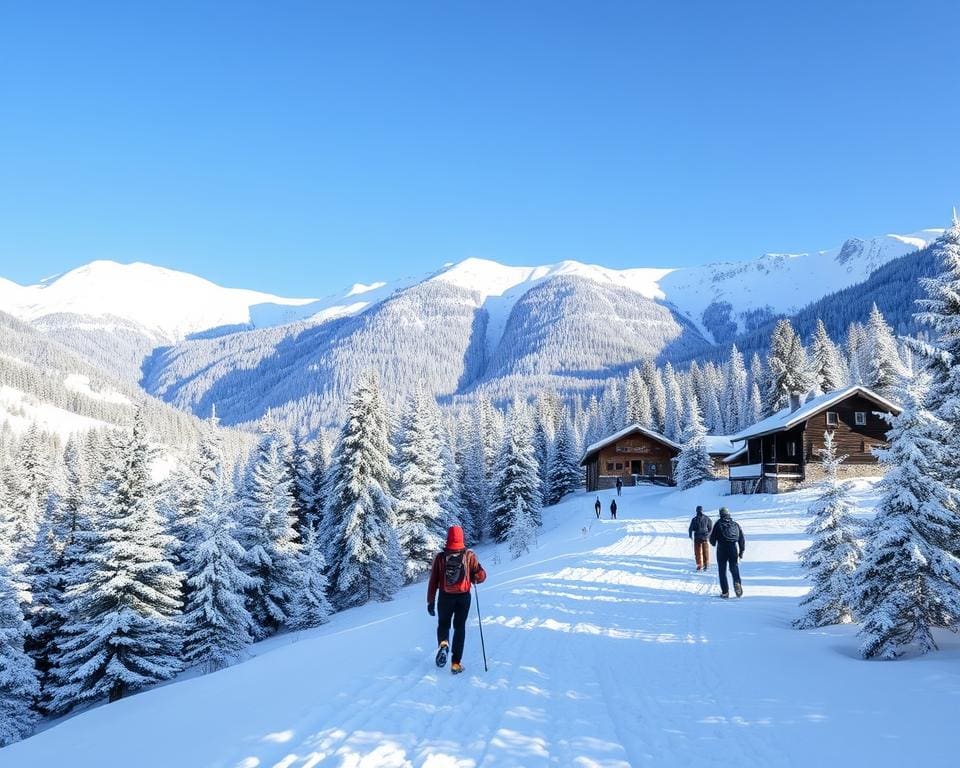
(727, 537)
(613, 509)
(619, 485)
(700, 527)
(597, 507)
(453, 571)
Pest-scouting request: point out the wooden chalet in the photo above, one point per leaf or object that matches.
(782, 451)
(635, 454)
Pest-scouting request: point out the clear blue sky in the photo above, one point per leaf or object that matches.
(298, 147)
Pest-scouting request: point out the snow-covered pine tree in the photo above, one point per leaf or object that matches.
(362, 550)
(451, 480)
(834, 553)
(563, 475)
(475, 491)
(516, 477)
(826, 364)
(886, 368)
(638, 399)
(673, 418)
(217, 623)
(754, 405)
(908, 582)
(312, 608)
(122, 632)
(694, 465)
(788, 369)
(857, 353)
(420, 518)
(268, 535)
(658, 396)
(735, 395)
(319, 463)
(45, 614)
(19, 687)
(522, 531)
(301, 484)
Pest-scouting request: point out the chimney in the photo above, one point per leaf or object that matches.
(794, 402)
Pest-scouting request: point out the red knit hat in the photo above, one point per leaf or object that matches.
(455, 537)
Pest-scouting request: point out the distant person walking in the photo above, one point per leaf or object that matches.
(613, 509)
(619, 485)
(700, 527)
(727, 537)
(454, 570)
(597, 507)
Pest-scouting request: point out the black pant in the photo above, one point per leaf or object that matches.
(597, 510)
(618, 489)
(453, 607)
(728, 554)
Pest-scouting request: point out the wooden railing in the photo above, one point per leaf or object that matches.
(782, 469)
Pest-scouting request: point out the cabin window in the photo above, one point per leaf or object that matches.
(832, 418)
(609, 466)
(861, 418)
(619, 466)
(791, 449)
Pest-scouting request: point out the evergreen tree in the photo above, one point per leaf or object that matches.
(319, 464)
(516, 477)
(451, 481)
(564, 474)
(673, 418)
(420, 518)
(886, 368)
(638, 399)
(787, 367)
(122, 632)
(19, 687)
(909, 580)
(269, 536)
(658, 396)
(826, 365)
(834, 553)
(694, 465)
(301, 485)
(312, 606)
(45, 615)
(363, 553)
(735, 396)
(475, 490)
(522, 530)
(218, 624)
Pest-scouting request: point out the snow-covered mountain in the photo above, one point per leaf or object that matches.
(472, 325)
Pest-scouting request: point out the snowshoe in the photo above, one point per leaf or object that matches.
(456, 668)
(442, 654)
(738, 589)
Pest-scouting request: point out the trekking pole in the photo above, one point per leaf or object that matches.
(480, 622)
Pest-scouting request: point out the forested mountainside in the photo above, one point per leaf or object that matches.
(38, 373)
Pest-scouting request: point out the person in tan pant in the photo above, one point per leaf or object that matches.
(700, 527)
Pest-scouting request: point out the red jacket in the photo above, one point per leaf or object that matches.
(474, 574)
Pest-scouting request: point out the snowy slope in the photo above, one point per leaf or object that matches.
(20, 411)
(606, 648)
(163, 302)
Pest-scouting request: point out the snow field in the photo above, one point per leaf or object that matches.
(606, 648)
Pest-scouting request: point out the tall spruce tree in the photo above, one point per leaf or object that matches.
(475, 489)
(909, 580)
(694, 465)
(736, 395)
(516, 483)
(834, 553)
(885, 367)
(19, 687)
(563, 475)
(312, 606)
(122, 632)
(826, 364)
(788, 374)
(363, 553)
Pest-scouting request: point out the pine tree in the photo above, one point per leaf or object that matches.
(563, 475)
(19, 687)
(420, 518)
(522, 530)
(886, 367)
(363, 553)
(658, 396)
(301, 484)
(312, 606)
(834, 553)
(826, 365)
(475, 490)
(694, 465)
(909, 581)
(787, 367)
(516, 477)
(673, 418)
(319, 464)
(451, 482)
(269, 536)
(122, 632)
(45, 615)
(735, 396)
(218, 624)
(638, 399)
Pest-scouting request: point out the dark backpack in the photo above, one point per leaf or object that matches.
(455, 572)
(702, 525)
(729, 530)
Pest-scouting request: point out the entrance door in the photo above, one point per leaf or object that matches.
(635, 467)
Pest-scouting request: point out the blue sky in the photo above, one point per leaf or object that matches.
(299, 147)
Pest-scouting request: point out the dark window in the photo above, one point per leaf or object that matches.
(861, 419)
(832, 419)
(791, 449)
(609, 466)
(619, 465)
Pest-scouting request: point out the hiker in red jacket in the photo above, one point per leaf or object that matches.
(454, 570)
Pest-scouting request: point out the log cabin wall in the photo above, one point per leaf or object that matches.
(629, 456)
(851, 439)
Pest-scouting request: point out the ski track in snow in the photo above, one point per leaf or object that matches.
(605, 650)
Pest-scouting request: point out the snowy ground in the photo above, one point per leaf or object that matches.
(606, 648)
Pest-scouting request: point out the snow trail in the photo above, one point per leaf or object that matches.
(606, 649)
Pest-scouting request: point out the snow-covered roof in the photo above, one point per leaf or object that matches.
(719, 445)
(787, 419)
(735, 455)
(623, 433)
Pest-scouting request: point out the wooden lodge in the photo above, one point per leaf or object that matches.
(782, 451)
(635, 454)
